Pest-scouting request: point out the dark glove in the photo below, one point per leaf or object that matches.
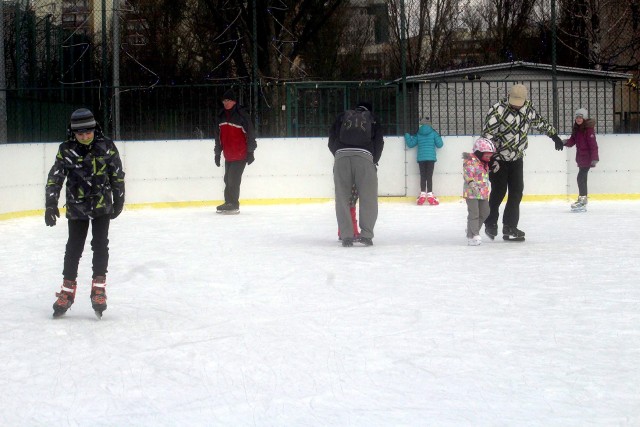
(117, 210)
(50, 215)
(217, 160)
(250, 157)
(494, 165)
(558, 141)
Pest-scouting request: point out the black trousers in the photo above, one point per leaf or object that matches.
(509, 177)
(426, 175)
(78, 229)
(232, 179)
(583, 174)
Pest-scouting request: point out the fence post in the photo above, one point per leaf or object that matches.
(254, 69)
(403, 54)
(105, 77)
(554, 73)
(116, 70)
(3, 81)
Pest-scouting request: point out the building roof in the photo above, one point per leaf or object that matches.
(517, 65)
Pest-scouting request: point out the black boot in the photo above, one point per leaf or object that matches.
(491, 230)
(511, 232)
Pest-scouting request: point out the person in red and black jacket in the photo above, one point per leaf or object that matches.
(235, 137)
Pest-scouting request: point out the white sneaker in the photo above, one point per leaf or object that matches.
(474, 241)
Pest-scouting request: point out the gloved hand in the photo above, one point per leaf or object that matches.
(558, 141)
(494, 166)
(117, 209)
(250, 157)
(594, 163)
(217, 160)
(50, 215)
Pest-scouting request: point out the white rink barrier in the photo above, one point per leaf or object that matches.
(301, 168)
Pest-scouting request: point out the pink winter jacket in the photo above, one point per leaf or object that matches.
(476, 178)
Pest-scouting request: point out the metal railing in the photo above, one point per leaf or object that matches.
(309, 109)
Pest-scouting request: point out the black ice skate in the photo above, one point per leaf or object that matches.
(66, 296)
(511, 233)
(365, 241)
(99, 295)
(347, 242)
(228, 209)
(491, 230)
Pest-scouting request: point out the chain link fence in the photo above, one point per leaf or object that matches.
(60, 55)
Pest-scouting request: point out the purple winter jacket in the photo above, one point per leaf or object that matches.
(584, 138)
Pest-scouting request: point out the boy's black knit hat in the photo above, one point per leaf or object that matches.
(82, 119)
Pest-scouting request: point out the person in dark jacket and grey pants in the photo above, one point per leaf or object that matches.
(91, 165)
(356, 142)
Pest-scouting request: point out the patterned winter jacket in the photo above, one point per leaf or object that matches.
(95, 179)
(476, 178)
(584, 138)
(508, 128)
(427, 141)
(234, 134)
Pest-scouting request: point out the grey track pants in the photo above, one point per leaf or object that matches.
(477, 212)
(356, 168)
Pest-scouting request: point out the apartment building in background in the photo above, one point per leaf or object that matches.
(78, 16)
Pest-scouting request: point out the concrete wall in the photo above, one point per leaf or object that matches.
(183, 171)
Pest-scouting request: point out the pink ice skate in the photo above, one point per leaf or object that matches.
(433, 200)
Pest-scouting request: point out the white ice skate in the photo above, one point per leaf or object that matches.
(580, 205)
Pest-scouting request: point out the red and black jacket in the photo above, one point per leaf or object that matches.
(234, 134)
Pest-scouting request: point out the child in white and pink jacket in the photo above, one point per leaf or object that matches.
(476, 187)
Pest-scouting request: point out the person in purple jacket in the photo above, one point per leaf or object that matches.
(583, 136)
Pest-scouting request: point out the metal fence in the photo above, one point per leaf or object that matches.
(459, 108)
(308, 109)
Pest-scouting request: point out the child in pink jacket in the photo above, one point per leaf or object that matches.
(476, 188)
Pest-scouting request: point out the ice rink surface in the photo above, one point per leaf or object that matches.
(263, 319)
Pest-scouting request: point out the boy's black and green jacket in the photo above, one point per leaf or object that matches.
(95, 179)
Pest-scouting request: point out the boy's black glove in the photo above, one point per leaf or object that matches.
(250, 157)
(559, 143)
(117, 210)
(50, 215)
(217, 160)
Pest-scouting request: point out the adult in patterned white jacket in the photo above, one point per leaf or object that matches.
(507, 125)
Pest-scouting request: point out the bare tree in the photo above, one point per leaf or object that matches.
(284, 30)
(508, 25)
(163, 56)
(338, 50)
(601, 34)
(432, 26)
